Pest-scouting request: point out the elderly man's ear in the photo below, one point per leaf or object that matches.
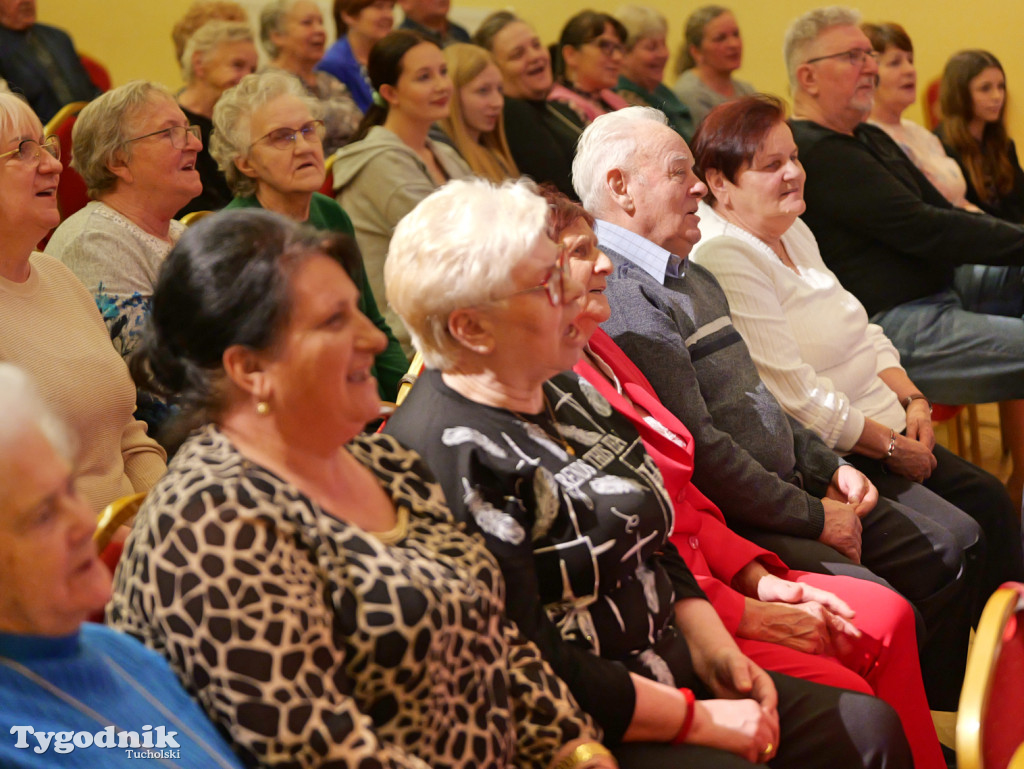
(807, 79)
(618, 188)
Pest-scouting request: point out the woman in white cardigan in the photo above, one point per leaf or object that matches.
(810, 338)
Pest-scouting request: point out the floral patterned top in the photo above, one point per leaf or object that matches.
(314, 643)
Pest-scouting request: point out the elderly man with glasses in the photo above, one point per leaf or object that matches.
(892, 238)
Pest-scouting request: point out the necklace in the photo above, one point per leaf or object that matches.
(81, 707)
(552, 431)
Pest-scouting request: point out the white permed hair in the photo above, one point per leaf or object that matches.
(805, 30)
(209, 37)
(456, 249)
(611, 141)
(22, 409)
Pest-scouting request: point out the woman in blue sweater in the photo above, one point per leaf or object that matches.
(73, 694)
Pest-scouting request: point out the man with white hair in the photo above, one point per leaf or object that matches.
(892, 239)
(774, 480)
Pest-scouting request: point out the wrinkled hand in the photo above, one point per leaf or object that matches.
(807, 627)
(842, 529)
(911, 459)
(731, 674)
(919, 424)
(850, 485)
(738, 726)
(772, 588)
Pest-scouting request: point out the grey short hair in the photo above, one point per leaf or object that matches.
(805, 30)
(22, 409)
(211, 35)
(232, 120)
(456, 249)
(612, 141)
(103, 127)
(272, 22)
(641, 23)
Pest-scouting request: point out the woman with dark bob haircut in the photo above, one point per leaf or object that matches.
(306, 582)
(828, 367)
(587, 63)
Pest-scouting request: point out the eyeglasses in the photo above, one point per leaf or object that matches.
(555, 282)
(29, 150)
(857, 56)
(609, 47)
(285, 138)
(178, 134)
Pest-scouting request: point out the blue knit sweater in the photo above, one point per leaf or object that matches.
(76, 664)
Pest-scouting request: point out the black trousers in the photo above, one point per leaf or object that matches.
(932, 554)
(821, 728)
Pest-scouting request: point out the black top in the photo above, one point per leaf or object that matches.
(1009, 206)
(581, 540)
(216, 194)
(542, 137)
(882, 227)
(41, 64)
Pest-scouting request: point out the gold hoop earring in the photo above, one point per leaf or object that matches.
(262, 408)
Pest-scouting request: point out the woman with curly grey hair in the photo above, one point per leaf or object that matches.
(268, 141)
(136, 151)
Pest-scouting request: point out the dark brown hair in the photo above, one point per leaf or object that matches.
(887, 35)
(731, 134)
(987, 163)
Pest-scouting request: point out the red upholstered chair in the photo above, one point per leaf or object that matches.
(930, 104)
(327, 188)
(71, 193)
(98, 74)
(990, 720)
(944, 413)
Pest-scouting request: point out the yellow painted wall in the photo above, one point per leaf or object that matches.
(133, 36)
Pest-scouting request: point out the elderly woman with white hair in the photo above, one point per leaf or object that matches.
(216, 57)
(268, 142)
(574, 509)
(643, 67)
(50, 327)
(66, 684)
(137, 152)
(293, 35)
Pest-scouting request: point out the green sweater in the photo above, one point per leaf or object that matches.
(391, 364)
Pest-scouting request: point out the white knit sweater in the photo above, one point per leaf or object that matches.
(809, 337)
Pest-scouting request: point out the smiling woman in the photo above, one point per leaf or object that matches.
(293, 35)
(50, 327)
(394, 164)
(137, 153)
(337, 611)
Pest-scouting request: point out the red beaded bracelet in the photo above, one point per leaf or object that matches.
(684, 730)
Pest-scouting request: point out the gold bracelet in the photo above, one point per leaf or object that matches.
(581, 754)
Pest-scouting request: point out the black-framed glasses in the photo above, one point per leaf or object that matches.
(609, 47)
(29, 150)
(178, 134)
(856, 56)
(555, 282)
(285, 138)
